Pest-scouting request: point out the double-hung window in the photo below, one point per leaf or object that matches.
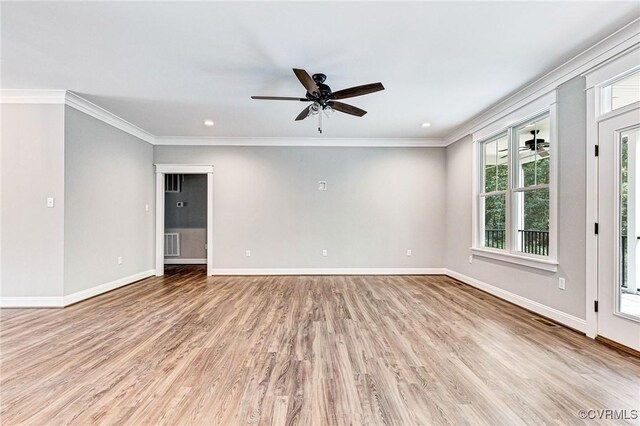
(514, 194)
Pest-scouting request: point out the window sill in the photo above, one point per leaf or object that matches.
(531, 262)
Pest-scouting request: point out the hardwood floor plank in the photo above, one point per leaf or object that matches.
(308, 350)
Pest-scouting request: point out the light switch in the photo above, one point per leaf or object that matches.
(146, 207)
(51, 202)
(247, 253)
(322, 185)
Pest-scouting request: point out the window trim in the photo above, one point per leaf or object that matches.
(510, 254)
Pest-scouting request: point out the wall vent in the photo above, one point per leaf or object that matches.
(173, 182)
(172, 244)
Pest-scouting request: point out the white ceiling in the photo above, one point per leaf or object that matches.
(167, 66)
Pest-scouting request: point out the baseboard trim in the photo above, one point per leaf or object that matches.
(32, 302)
(103, 288)
(181, 261)
(544, 310)
(329, 271)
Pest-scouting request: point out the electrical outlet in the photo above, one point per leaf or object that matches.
(119, 260)
(409, 252)
(51, 202)
(471, 259)
(562, 283)
(247, 253)
(322, 185)
(324, 253)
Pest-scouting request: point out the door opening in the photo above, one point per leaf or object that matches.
(184, 216)
(185, 219)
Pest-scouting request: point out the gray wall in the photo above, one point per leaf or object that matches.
(379, 203)
(109, 178)
(533, 284)
(194, 213)
(189, 221)
(32, 170)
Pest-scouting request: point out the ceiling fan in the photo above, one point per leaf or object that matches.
(535, 144)
(323, 99)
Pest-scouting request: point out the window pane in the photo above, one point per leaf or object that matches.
(533, 221)
(495, 158)
(494, 209)
(533, 153)
(629, 248)
(622, 92)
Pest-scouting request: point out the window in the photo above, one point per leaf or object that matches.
(514, 191)
(531, 187)
(495, 177)
(622, 92)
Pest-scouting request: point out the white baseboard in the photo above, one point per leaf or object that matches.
(544, 310)
(60, 302)
(103, 288)
(329, 271)
(181, 261)
(32, 302)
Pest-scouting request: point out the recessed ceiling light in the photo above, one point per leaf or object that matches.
(209, 123)
(426, 124)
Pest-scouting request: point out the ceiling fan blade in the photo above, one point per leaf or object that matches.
(304, 113)
(358, 91)
(306, 80)
(280, 98)
(347, 109)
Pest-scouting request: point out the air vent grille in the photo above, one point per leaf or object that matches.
(172, 244)
(173, 182)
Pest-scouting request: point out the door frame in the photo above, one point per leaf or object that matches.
(161, 171)
(596, 79)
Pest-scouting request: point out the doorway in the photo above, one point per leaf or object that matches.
(185, 219)
(619, 228)
(184, 216)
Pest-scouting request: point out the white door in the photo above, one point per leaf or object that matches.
(619, 229)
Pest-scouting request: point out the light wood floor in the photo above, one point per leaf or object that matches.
(187, 349)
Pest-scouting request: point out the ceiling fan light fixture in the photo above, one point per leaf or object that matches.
(328, 111)
(314, 109)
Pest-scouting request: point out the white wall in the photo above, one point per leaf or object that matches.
(379, 203)
(32, 170)
(109, 178)
(532, 284)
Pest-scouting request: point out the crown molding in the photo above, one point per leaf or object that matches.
(621, 41)
(89, 108)
(28, 96)
(310, 141)
(68, 98)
